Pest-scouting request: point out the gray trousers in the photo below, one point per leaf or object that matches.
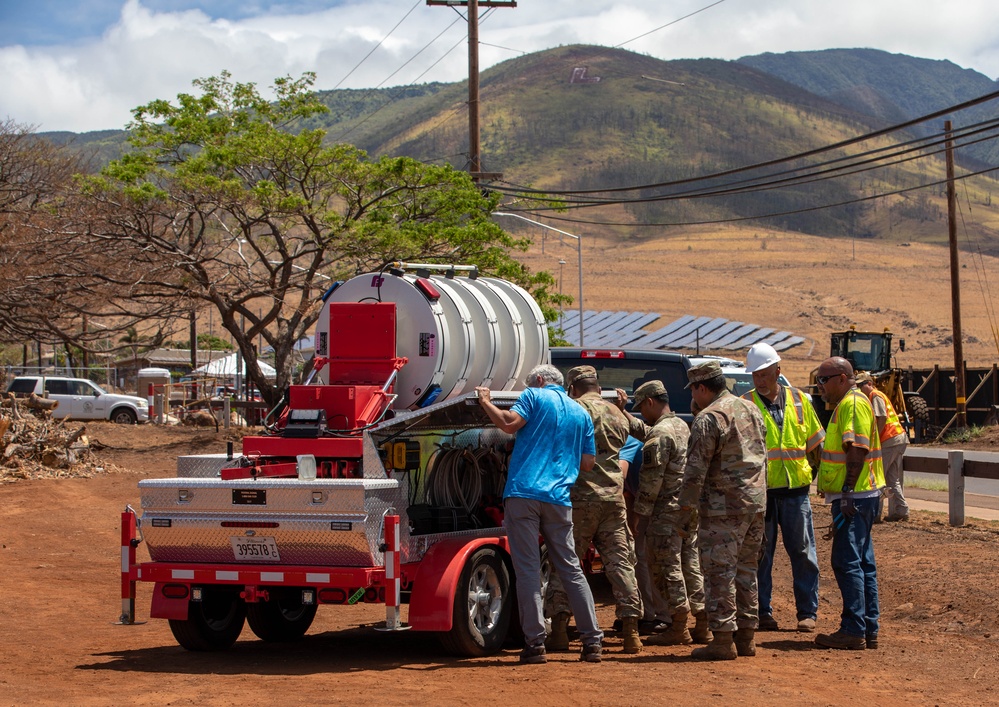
(525, 519)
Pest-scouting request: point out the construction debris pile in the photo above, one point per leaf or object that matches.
(35, 446)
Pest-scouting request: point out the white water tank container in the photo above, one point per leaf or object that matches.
(457, 332)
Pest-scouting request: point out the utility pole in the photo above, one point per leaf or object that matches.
(961, 413)
(474, 147)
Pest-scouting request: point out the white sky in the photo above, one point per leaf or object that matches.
(84, 65)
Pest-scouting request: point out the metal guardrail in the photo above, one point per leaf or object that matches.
(956, 467)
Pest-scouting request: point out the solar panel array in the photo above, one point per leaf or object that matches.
(615, 330)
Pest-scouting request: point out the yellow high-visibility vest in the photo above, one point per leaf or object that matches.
(787, 446)
(852, 420)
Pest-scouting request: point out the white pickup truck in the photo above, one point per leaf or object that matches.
(81, 399)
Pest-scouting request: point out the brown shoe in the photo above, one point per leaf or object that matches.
(745, 645)
(591, 653)
(629, 631)
(558, 639)
(701, 633)
(722, 647)
(676, 635)
(872, 642)
(806, 625)
(768, 623)
(841, 640)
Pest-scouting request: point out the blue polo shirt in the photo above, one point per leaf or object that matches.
(631, 452)
(545, 460)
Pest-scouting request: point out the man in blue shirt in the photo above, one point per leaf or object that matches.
(554, 442)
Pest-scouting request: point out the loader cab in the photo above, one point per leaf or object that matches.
(865, 350)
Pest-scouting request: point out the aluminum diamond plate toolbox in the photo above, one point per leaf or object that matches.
(329, 522)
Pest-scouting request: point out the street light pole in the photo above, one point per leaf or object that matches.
(579, 254)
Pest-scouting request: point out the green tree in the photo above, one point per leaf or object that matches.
(224, 201)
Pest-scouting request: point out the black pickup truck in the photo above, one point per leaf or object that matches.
(629, 368)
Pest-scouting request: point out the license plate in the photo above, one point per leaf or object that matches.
(261, 549)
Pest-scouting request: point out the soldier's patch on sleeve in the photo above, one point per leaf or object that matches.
(651, 457)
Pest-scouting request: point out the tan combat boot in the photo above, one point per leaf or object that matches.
(745, 644)
(701, 633)
(558, 639)
(629, 630)
(676, 635)
(721, 647)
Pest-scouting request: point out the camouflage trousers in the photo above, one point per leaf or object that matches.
(675, 566)
(730, 550)
(603, 523)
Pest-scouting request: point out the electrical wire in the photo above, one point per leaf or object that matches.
(754, 185)
(548, 193)
(380, 42)
(775, 214)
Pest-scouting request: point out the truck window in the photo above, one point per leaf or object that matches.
(54, 386)
(22, 386)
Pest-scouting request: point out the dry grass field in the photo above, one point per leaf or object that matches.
(803, 284)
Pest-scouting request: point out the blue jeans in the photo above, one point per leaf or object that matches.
(793, 515)
(525, 519)
(856, 573)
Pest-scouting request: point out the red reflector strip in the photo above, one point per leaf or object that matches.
(175, 591)
(601, 354)
(249, 524)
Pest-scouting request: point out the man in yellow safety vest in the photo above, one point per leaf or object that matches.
(851, 478)
(794, 434)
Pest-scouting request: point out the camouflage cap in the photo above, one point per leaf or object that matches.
(579, 373)
(864, 378)
(703, 372)
(649, 389)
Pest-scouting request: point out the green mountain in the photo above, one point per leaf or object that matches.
(586, 117)
(890, 87)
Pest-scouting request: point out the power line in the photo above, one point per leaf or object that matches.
(757, 217)
(781, 160)
(380, 42)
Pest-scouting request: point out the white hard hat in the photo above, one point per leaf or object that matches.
(761, 356)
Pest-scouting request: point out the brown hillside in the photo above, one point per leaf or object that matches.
(804, 284)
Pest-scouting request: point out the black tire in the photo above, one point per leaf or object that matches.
(917, 407)
(124, 416)
(212, 624)
(482, 606)
(283, 618)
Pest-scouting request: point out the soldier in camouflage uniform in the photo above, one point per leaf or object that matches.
(599, 516)
(670, 535)
(724, 481)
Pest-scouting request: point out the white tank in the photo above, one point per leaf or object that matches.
(482, 331)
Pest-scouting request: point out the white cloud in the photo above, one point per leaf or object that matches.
(145, 55)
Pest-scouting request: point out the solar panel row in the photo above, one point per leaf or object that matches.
(612, 329)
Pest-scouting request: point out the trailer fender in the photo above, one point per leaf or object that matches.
(165, 607)
(431, 602)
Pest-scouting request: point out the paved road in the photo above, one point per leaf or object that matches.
(987, 487)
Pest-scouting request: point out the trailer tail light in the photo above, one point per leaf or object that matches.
(601, 354)
(332, 596)
(175, 591)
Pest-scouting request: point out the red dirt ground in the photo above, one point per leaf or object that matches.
(60, 597)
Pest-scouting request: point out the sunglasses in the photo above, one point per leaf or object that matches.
(822, 380)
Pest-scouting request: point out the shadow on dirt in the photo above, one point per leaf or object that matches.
(349, 651)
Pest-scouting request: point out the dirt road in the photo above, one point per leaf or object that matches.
(59, 588)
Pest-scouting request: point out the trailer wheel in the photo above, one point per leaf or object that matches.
(481, 606)
(283, 618)
(212, 624)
